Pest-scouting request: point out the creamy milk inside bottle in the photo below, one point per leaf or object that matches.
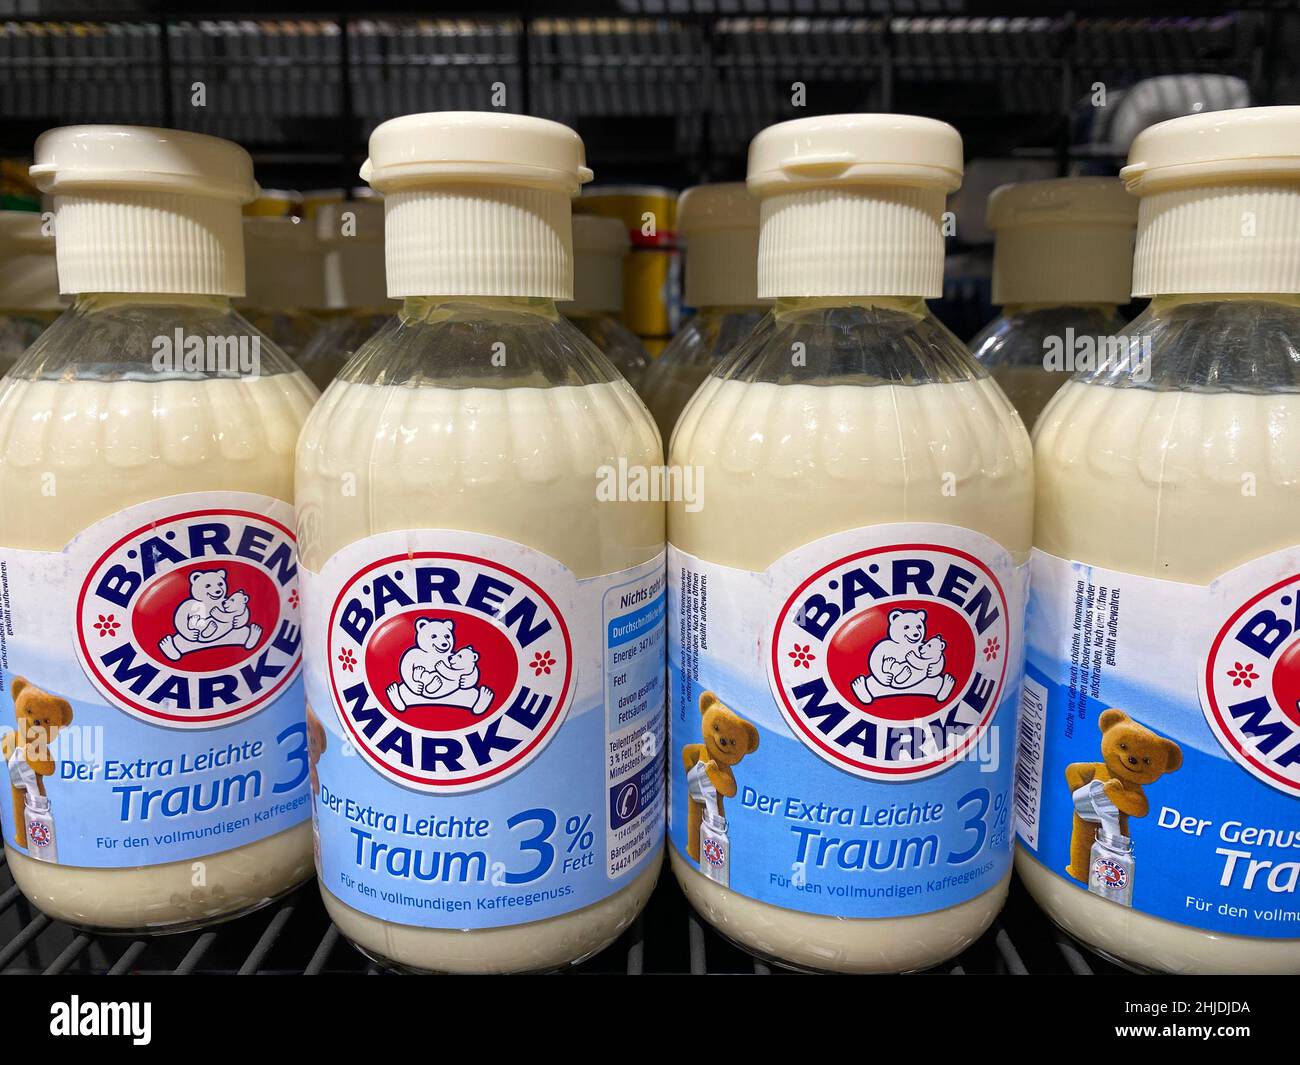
(484, 614)
(153, 705)
(1161, 631)
(1061, 267)
(351, 235)
(845, 599)
(719, 224)
(600, 246)
(29, 282)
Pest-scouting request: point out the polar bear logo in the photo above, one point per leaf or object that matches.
(905, 662)
(210, 617)
(434, 672)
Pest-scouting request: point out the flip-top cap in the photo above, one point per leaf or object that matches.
(140, 209)
(1217, 147)
(458, 146)
(477, 203)
(870, 149)
(853, 204)
(1220, 203)
(86, 159)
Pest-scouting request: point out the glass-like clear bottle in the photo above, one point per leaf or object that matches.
(338, 337)
(1017, 346)
(618, 343)
(151, 713)
(89, 427)
(889, 408)
(1062, 266)
(1190, 439)
(29, 284)
(849, 442)
(1161, 632)
(482, 594)
(709, 335)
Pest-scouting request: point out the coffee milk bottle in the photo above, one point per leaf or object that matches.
(29, 282)
(1160, 690)
(1061, 267)
(350, 235)
(484, 603)
(152, 706)
(845, 592)
(719, 225)
(600, 248)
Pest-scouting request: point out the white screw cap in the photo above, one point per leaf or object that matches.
(140, 209)
(1220, 203)
(477, 203)
(853, 204)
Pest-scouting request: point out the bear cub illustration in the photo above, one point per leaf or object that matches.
(434, 671)
(210, 617)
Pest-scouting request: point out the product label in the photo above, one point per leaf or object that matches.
(152, 686)
(842, 725)
(487, 729)
(1160, 746)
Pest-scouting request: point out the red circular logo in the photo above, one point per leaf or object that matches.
(1250, 688)
(890, 663)
(449, 672)
(191, 621)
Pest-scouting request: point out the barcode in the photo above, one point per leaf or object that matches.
(1029, 759)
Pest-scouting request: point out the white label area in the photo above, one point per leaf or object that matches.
(490, 728)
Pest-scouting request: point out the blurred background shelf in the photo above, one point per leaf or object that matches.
(661, 90)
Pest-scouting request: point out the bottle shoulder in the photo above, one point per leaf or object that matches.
(1039, 337)
(1243, 345)
(880, 396)
(136, 341)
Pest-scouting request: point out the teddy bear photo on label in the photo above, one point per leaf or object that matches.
(434, 672)
(210, 617)
(1132, 757)
(905, 663)
(41, 717)
(728, 737)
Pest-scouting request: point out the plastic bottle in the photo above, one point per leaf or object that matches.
(599, 247)
(1062, 263)
(1161, 630)
(719, 224)
(285, 281)
(351, 235)
(29, 283)
(484, 615)
(152, 706)
(845, 592)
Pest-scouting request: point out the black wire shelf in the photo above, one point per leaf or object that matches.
(295, 936)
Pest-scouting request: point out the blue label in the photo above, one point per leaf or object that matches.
(1160, 741)
(487, 729)
(842, 726)
(152, 685)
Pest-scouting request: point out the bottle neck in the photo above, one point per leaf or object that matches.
(1162, 304)
(790, 305)
(440, 308)
(1010, 310)
(97, 302)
